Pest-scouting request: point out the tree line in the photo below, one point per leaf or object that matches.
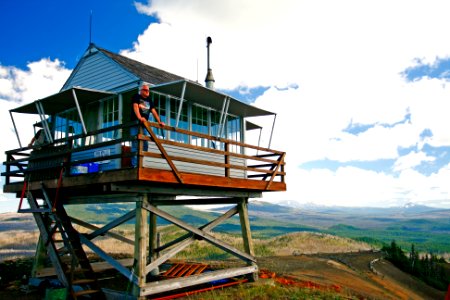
(428, 267)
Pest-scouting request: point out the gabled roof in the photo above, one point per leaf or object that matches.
(147, 73)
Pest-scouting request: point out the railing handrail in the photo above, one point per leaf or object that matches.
(275, 165)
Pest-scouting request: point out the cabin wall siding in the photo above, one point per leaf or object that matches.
(97, 71)
(159, 163)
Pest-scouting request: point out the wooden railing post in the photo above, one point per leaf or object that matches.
(227, 159)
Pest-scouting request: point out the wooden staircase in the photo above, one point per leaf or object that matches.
(56, 229)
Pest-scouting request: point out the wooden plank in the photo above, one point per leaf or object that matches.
(163, 152)
(245, 226)
(220, 152)
(111, 234)
(182, 282)
(182, 190)
(145, 175)
(114, 263)
(105, 229)
(207, 227)
(96, 266)
(210, 181)
(46, 240)
(141, 243)
(218, 243)
(103, 198)
(213, 138)
(166, 256)
(196, 201)
(275, 172)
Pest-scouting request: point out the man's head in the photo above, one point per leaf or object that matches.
(144, 89)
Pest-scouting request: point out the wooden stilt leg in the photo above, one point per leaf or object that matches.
(140, 246)
(153, 241)
(246, 233)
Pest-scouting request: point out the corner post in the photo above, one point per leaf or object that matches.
(153, 241)
(140, 244)
(242, 206)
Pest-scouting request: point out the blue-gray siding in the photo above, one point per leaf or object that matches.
(97, 71)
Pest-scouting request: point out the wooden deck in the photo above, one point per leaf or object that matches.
(181, 165)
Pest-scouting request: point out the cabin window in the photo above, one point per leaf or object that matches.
(215, 128)
(110, 117)
(160, 106)
(183, 122)
(67, 124)
(233, 132)
(199, 124)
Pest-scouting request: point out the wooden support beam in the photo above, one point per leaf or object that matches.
(111, 225)
(93, 227)
(46, 240)
(114, 263)
(182, 191)
(141, 243)
(207, 227)
(153, 230)
(245, 226)
(182, 282)
(218, 243)
(196, 201)
(164, 153)
(166, 256)
(281, 160)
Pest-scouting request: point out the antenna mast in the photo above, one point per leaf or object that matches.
(90, 29)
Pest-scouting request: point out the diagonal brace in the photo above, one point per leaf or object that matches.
(218, 243)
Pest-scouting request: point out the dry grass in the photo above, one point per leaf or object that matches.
(16, 244)
(311, 243)
(21, 243)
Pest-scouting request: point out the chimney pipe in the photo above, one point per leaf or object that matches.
(209, 81)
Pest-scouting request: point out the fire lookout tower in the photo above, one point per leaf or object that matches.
(200, 154)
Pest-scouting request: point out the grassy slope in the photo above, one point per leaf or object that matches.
(428, 230)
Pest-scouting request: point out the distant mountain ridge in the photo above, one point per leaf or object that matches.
(409, 208)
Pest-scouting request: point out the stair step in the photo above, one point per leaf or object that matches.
(86, 292)
(82, 281)
(29, 210)
(80, 271)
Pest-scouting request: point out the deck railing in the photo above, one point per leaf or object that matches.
(69, 156)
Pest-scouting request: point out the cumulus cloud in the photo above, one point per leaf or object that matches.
(326, 66)
(18, 87)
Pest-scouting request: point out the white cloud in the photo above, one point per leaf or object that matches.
(19, 87)
(346, 58)
(411, 160)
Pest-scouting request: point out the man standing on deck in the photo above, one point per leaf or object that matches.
(142, 105)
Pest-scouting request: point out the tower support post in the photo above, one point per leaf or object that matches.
(141, 243)
(242, 205)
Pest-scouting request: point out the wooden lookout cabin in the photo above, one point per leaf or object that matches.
(199, 157)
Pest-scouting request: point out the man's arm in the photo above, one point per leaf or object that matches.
(138, 113)
(155, 114)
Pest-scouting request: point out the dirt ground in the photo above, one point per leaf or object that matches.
(364, 275)
(352, 273)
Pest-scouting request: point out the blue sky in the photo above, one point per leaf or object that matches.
(32, 30)
(362, 104)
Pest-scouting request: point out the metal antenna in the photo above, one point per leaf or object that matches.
(90, 29)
